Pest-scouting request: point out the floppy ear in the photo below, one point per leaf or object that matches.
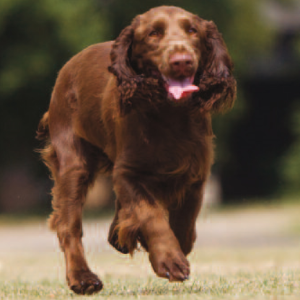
(217, 84)
(120, 66)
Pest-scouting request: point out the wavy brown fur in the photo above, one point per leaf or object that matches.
(110, 112)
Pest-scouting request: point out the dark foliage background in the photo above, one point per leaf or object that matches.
(258, 144)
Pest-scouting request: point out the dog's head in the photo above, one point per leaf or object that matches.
(177, 53)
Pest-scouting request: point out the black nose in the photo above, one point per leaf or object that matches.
(181, 62)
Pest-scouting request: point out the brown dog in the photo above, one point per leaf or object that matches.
(140, 109)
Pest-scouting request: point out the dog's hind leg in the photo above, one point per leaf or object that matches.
(73, 167)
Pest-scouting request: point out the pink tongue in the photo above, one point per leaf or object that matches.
(180, 89)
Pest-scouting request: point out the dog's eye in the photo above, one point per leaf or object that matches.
(155, 33)
(192, 30)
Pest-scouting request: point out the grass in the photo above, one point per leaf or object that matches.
(218, 271)
(207, 286)
(267, 273)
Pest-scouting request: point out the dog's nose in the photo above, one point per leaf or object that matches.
(181, 62)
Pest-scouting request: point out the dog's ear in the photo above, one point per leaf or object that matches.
(121, 66)
(217, 84)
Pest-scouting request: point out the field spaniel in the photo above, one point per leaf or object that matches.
(139, 109)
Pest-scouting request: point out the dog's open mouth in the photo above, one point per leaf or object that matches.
(180, 88)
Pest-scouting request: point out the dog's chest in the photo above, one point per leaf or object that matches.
(174, 144)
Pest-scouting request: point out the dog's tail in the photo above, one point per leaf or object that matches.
(43, 128)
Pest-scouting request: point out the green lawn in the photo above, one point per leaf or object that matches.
(219, 269)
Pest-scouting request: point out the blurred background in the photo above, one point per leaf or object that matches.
(258, 142)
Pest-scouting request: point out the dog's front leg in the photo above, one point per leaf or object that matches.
(183, 218)
(139, 215)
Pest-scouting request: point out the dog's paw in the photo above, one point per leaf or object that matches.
(113, 240)
(170, 264)
(84, 282)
